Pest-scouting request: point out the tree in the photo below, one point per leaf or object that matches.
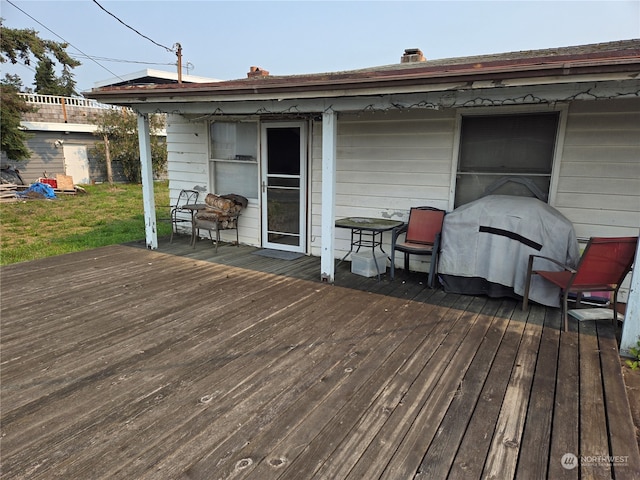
(22, 45)
(118, 129)
(67, 85)
(45, 78)
(47, 83)
(12, 106)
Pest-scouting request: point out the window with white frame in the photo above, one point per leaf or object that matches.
(494, 148)
(234, 162)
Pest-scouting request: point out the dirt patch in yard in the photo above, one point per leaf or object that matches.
(632, 382)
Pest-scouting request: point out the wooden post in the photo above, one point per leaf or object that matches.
(631, 324)
(329, 134)
(64, 109)
(151, 230)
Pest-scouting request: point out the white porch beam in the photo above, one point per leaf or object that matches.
(631, 324)
(146, 170)
(329, 134)
(450, 96)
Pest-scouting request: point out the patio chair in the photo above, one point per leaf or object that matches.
(603, 266)
(221, 213)
(422, 237)
(186, 197)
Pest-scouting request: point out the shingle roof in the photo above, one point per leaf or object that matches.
(610, 57)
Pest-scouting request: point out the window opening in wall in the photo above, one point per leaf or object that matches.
(234, 152)
(497, 147)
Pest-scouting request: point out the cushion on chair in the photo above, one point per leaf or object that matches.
(223, 209)
(415, 248)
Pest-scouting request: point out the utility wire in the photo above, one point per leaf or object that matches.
(118, 60)
(131, 28)
(65, 41)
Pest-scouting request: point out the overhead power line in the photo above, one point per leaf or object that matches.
(65, 41)
(131, 28)
(118, 60)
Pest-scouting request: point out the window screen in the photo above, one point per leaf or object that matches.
(498, 146)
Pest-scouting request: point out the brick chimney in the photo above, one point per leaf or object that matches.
(412, 55)
(257, 72)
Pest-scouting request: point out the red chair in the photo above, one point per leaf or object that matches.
(603, 266)
(422, 237)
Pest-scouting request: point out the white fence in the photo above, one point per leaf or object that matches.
(38, 99)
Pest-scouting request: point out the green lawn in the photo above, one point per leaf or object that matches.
(106, 215)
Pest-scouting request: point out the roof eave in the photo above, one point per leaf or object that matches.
(276, 87)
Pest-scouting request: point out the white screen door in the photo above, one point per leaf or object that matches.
(283, 186)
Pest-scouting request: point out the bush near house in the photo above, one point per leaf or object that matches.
(118, 130)
(106, 215)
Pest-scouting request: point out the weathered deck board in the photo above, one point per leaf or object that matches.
(618, 414)
(565, 435)
(127, 363)
(441, 453)
(593, 419)
(505, 448)
(536, 438)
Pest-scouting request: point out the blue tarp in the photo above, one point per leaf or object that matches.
(38, 190)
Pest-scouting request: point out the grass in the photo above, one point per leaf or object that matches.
(106, 215)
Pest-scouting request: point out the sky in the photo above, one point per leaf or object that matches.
(223, 39)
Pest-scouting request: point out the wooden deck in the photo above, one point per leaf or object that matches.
(126, 363)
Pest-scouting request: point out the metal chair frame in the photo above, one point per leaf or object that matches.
(186, 197)
(603, 266)
(419, 239)
(214, 225)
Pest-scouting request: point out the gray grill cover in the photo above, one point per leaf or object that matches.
(486, 246)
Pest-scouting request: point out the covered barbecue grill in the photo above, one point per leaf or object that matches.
(486, 246)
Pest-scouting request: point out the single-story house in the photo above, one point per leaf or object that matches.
(308, 149)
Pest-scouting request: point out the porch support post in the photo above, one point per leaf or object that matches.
(146, 170)
(631, 324)
(329, 134)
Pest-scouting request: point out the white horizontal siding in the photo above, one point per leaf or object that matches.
(386, 164)
(188, 168)
(187, 163)
(599, 175)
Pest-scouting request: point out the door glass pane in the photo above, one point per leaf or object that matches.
(283, 185)
(283, 150)
(284, 182)
(284, 210)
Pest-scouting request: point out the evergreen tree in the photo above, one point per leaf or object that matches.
(67, 85)
(12, 105)
(22, 45)
(46, 82)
